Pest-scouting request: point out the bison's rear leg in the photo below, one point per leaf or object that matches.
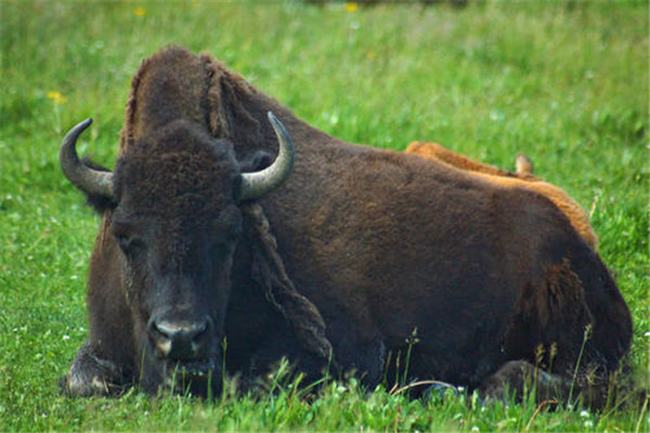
(516, 378)
(91, 375)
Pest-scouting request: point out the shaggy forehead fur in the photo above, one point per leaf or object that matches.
(180, 170)
(175, 83)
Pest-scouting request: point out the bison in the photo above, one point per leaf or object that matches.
(217, 254)
(522, 178)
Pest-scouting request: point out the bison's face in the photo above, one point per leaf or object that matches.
(176, 276)
(177, 223)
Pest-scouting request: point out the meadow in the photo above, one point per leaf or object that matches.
(565, 83)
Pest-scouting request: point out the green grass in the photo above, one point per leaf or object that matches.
(565, 83)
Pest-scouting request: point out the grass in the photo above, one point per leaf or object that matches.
(566, 83)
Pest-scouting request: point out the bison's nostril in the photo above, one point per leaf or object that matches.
(178, 339)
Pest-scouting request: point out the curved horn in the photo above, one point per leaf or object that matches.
(255, 185)
(86, 179)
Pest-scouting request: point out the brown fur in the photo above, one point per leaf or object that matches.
(268, 271)
(440, 153)
(361, 244)
(522, 179)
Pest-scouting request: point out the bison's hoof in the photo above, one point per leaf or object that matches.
(90, 375)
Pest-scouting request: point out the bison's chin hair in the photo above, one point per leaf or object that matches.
(200, 378)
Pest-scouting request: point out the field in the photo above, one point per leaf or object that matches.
(566, 83)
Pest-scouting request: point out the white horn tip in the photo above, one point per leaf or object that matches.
(274, 120)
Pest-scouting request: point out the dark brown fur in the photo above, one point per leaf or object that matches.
(362, 244)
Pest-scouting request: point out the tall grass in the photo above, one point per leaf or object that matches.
(564, 82)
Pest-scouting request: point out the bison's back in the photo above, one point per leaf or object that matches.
(394, 243)
(574, 212)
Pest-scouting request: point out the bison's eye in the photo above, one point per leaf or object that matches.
(126, 236)
(129, 245)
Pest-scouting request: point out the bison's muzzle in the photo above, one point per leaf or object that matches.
(182, 340)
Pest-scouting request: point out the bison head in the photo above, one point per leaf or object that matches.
(173, 226)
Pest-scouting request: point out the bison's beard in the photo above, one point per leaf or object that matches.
(200, 377)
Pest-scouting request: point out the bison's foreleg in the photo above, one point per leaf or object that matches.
(91, 375)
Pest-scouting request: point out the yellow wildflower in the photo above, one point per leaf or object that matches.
(139, 11)
(351, 7)
(56, 97)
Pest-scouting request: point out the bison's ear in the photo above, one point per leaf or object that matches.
(259, 160)
(99, 203)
